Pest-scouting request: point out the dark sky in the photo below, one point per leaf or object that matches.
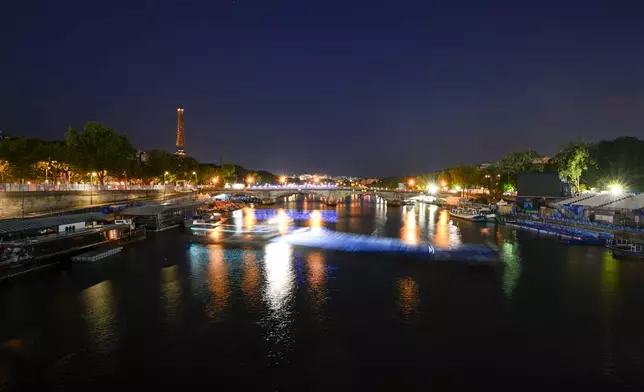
(345, 87)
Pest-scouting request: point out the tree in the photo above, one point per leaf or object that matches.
(619, 160)
(465, 176)
(227, 174)
(99, 149)
(572, 161)
(21, 155)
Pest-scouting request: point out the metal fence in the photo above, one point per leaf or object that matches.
(88, 188)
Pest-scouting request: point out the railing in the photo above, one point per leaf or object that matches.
(87, 188)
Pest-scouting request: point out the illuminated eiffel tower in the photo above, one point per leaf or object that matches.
(180, 142)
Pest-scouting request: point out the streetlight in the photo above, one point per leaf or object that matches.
(282, 180)
(214, 180)
(249, 180)
(165, 182)
(194, 173)
(411, 182)
(91, 187)
(432, 188)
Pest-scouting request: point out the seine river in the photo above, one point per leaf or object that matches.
(168, 311)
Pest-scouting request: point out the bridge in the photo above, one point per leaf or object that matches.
(329, 193)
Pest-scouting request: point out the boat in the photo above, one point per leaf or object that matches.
(268, 201)
(625, 249)
(468, 214)
(32, 253)
(409, 202)
(488, 213)
(204, 221)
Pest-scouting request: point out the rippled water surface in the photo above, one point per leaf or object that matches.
(171, 311)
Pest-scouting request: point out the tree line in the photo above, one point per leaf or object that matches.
(97, 154)
(584, 165)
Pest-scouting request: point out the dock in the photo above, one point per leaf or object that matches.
(97, 254)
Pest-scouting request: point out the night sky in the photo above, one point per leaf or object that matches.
(344, 87)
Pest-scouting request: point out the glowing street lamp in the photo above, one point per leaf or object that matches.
(443, 184)
(432, 188)
(282, 180)
(214, 180)
(249, 180)
(412, 182)
(194, 173)
(616, 189)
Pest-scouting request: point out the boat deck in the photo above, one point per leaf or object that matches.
(58, 236)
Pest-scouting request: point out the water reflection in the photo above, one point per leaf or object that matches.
(100, 316)
(249, 217)
(218, 279)
(282, 221)
(409, 233)
(609, 289)
(280, 280)
(316, 277)
(512, 268)
(279, 275)
(441, 238)
(316, 220)
(251, 281)
(171, 291)
(408, 298)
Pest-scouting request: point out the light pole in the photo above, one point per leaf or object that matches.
(22, 191)
(249, 180)
(194, 173)
(165, 182)
(91, 188)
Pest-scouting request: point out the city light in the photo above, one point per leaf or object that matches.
(616, 189)
(432, 188)
(282, 179)
(214, 180)
(249, 179)
(457, 187)
(411, 182)
(443, 184)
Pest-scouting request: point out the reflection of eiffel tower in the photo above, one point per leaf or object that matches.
(180, 144)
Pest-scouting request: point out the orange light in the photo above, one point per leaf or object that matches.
(282, 179)
(249, 179)
(443, 183)
(411, 182)
(316, 180)
(214, 180)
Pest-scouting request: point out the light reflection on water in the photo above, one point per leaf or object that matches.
(218, 280)
(252, 279)
(316, 278)
(171, 292)
(408, 298)
(100, 317)
(278, 294)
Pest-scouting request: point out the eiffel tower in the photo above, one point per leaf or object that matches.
(180, 144)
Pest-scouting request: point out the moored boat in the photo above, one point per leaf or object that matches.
(625, 249)
(468, 214)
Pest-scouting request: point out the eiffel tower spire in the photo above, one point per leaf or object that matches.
(180, 143)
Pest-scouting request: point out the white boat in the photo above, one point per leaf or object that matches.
(488, 213)
(205, 221)
(468, 214)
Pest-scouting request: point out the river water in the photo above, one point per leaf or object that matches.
(170, 311)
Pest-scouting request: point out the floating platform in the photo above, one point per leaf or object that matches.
(348, 242)
(96, 254)
(568, 235)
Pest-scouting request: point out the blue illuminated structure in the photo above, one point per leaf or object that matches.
(330, 216)
(348, 242)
